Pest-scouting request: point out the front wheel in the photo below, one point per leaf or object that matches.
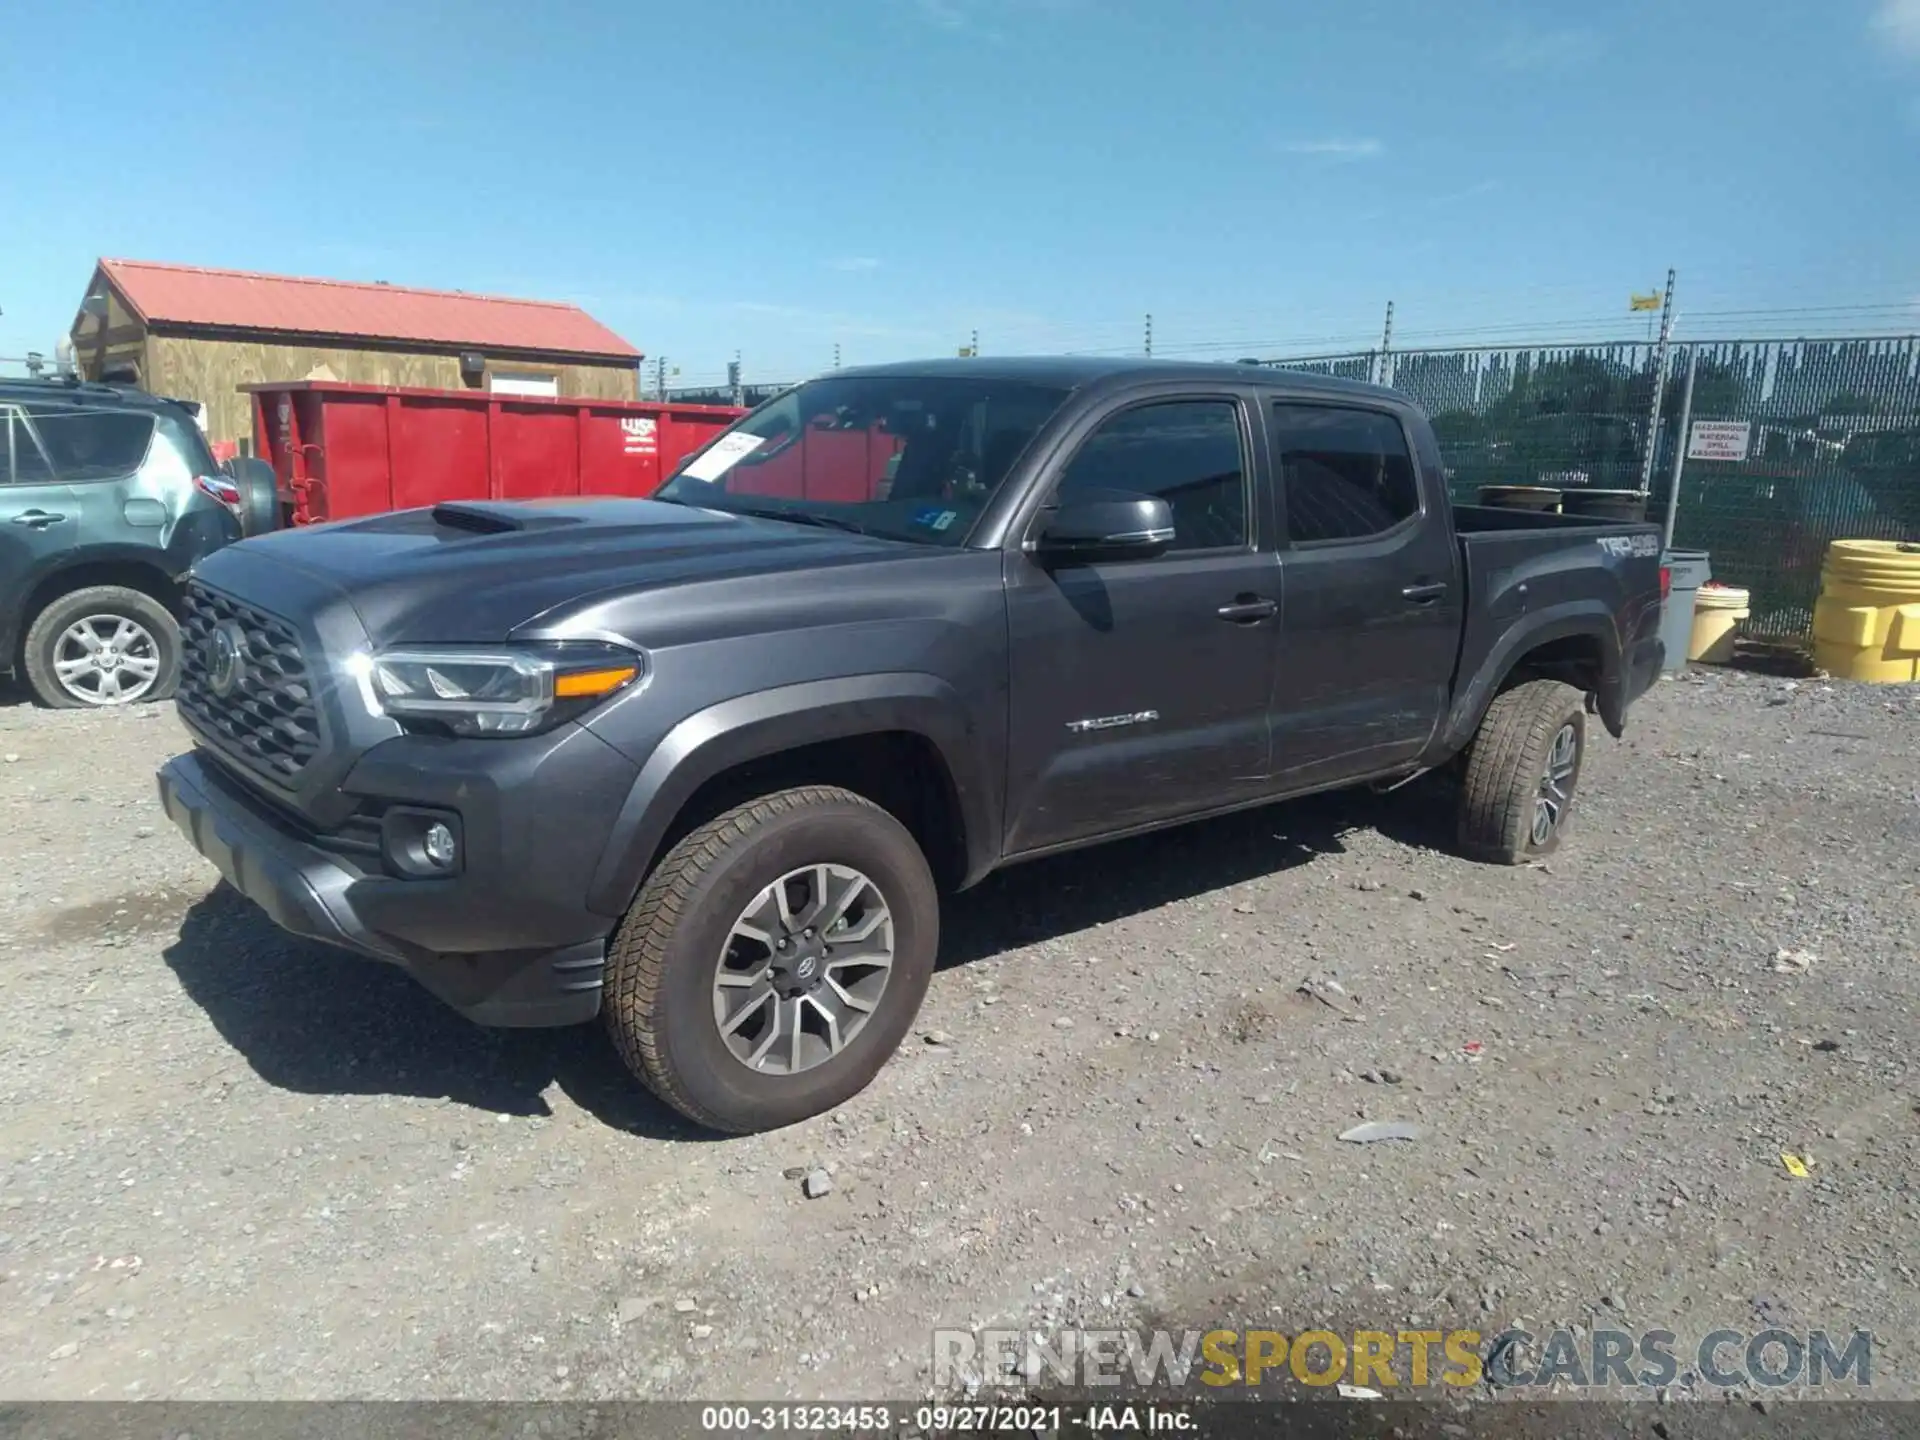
(774, 960)
(1521, 773)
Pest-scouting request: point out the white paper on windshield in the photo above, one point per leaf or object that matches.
(723, 455)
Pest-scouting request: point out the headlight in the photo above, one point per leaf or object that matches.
(493, 690)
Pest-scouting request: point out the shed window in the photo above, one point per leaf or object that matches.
(506, 382)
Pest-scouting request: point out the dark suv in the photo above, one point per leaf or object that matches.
(108, 496)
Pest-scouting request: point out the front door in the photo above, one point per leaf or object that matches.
(1139, 687)
(39, 517)
(1374, 601)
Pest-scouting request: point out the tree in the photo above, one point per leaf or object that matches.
(1719, 391)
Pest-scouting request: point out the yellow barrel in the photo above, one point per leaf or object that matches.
(1866, 623)
(1717, 613)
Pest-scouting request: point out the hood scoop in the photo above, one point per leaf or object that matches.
(480, 518)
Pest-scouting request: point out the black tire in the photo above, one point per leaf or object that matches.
(1503, 790)
(40, 650)
(665, 955)
(259, 508)
(259, 497)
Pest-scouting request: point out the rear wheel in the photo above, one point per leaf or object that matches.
(100, 647)
(1521, 773)
(774, 960)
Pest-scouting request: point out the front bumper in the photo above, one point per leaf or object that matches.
(552, 949)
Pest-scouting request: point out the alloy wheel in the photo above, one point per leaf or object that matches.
(1556, 785)
(803, 968)
(106, 660)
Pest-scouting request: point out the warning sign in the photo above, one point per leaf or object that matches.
(1719, 440)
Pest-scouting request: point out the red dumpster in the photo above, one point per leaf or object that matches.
(342, 450)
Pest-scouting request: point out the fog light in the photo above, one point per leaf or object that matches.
(439, 845)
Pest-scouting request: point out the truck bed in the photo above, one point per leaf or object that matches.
(1564, 574)
(1488, 519)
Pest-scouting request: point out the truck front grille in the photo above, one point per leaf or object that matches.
(266, 720)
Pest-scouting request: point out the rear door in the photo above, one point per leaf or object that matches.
(39, 518)
(1139, 687)
(103, 456)
(1373, 598)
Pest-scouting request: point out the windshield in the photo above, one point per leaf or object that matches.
(907, 457)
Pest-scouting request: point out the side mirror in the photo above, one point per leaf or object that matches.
(1105, 525)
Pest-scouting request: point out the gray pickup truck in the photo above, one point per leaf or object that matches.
(702, 765)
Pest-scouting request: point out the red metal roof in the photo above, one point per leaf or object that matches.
(237, 299)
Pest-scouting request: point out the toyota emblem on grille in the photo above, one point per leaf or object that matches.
(226, 658)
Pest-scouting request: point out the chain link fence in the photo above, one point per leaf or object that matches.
(1832, 447)
(749, 395)
(1832, 441)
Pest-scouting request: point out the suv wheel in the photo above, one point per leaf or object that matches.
(774, 960)
(102, 646)
(1522, 771)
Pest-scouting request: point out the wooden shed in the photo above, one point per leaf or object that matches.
(200, 334)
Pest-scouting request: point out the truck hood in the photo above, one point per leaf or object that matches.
(480, 571)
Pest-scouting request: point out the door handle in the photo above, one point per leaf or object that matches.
(38, 519)
(1246, 609)
(1424, 594)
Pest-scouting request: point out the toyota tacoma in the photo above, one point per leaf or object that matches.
(702, 765)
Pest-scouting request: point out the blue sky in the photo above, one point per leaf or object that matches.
(776, 177)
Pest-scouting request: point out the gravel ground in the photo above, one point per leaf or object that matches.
(235, 1166)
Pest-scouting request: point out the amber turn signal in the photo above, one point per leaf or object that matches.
(587, 683)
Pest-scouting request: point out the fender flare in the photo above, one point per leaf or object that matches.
(19, 614)
(1588, 619)
(752, 727)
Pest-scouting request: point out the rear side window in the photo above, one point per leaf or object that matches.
(94, 444)
(1347, 473)
(21, 462)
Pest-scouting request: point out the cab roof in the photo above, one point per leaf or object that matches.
(1083, 371)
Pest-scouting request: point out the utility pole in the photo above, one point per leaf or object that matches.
(736, 392)
(1383, 367)
(660, 378)
(1149, 335)
(1659, 385)
(1680, 447)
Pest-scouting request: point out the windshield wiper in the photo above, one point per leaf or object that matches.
(798, 517)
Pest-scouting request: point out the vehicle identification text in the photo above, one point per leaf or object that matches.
(1629, 544)
(1112, 722)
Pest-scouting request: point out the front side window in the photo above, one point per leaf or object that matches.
(1188, 453)
(908, 457)
(93, 444)
(1347, 472)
